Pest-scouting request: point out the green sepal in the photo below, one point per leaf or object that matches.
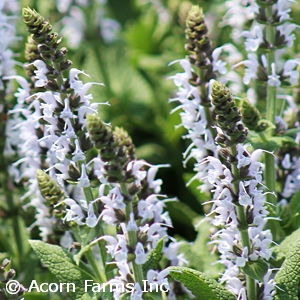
(154, 257)
(153, 296)
(256, 269)
(77, 257)
(201, 285)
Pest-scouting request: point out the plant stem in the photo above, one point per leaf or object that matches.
(132, 238)
(89, 197)
(243, 228)
(203, 94)
(99, 228)
(91, 258)
(270, 174)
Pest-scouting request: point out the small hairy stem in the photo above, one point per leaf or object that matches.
(132, 238)
(203, 92)
(91, 259)
(243, 228)
(100, 232)
(60, 81)
(270, 174)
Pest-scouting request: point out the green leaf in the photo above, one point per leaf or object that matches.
(182, 212)
(201, 285)
(287, 245)
(86, 234)
(154, 257)
(272, 144)
(256, 270)
(107, 295)
(292, 132)
(62, 266)
(125, 296)
(288, 277)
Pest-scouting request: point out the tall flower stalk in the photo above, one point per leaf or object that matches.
(200, 66)
(239, 203)
(94, 177)
(270, 34)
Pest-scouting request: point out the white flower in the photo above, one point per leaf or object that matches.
(283, 9)
(137, 293)
(244, 198)
(131, 225)
(134, 167)
(288, 70)
(140, 255)
(241, 260)
(254, 38)
(91, 220)
(66, 113)
(218, 65)
(78, 155)
(286, 162)
(74, 213)
(83, 180)
(286, 29)
(251, 64)
(273, 79)
(40, 73)
(158, 277)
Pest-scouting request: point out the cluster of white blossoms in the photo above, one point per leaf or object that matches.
(131, 202)
(237, 14)
(256, 65)
(148, 224)
(42, 133)
(250, 197)
(193, 116)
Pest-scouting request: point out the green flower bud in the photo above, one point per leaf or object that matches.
(250, 115)
(49, 189)
(99, 132)
(227, 114)
(199, 52)
(198, 46)
(125, 140)
(47, 41)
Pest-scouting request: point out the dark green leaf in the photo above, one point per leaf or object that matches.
(62, 266)
(201, 285)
